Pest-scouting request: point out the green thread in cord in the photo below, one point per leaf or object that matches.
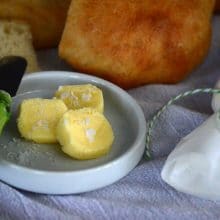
(170, 102)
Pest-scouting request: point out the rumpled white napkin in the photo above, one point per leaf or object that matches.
(193, 166)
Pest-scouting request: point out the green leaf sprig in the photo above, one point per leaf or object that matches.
(5, 106)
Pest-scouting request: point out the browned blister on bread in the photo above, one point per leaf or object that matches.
(132, 43)
(45, 17)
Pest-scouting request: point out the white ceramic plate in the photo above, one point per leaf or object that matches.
(45, 168)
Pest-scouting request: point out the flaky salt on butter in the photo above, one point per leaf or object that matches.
(80, 96)
(38, 119)
(84, 134)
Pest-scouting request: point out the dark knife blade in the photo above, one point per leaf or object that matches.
(12, 69)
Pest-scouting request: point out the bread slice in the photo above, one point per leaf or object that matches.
(45, 17)
(16, 39)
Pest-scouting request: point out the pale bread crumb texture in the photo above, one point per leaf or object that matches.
(16, 39)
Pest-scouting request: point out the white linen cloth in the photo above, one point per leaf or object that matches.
(142, 194)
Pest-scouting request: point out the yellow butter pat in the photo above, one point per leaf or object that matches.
(38, 119)
(84, 134)
(81, 96)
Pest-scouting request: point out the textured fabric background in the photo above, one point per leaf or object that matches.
(142, 194)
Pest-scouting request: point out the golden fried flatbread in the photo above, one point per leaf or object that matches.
(46, 18)
(132, 43)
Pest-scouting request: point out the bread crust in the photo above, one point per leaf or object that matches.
(133, 43)
(45, 17)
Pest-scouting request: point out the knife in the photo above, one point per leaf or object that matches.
(12, 69)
